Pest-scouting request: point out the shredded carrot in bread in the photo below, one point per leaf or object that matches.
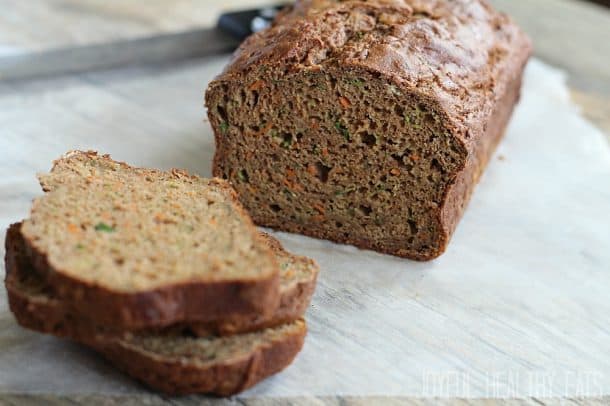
(345, 103)
(318, 218)
(257, 85)
(319, 207)
(264, 130)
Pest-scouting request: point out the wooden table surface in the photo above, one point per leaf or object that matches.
(569, 34)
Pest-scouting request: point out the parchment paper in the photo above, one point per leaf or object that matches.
(518, 306)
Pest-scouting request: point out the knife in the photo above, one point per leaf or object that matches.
(231, 29)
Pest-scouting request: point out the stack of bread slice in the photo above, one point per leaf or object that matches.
(163, 273)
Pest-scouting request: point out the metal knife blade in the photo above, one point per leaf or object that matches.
(149, 50)
(232, 28)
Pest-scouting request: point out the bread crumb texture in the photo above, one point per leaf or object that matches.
(129, 229)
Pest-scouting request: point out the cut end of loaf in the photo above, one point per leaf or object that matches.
(340, 154)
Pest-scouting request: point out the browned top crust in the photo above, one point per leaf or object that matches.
(461, 54)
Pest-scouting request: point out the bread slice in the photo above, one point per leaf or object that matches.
(172, 362)
(140, 248)
(28, 293)
(223, 366)
(298, 276)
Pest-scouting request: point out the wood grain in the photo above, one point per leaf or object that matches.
(572, 35)
(154, 400)
(152, 116)
(569, 34)
(35, 25)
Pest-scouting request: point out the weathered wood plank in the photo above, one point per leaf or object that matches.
(153, 400)
(570, 34)
(153, 117)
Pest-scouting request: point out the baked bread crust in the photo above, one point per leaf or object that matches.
(461, 58)
(177, 377)
(204, 301)
(35, 307)
(65, 320)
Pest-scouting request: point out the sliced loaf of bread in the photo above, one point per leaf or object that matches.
(36, 306)
(139, 248)
(169, 360)
(367, 122)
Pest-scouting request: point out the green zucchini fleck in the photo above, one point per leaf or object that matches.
(289, 193)
(242, 175)
(341, 192)
(356, 82)
(224, 126)
(286, 140)
(343, 130)
(101, 226)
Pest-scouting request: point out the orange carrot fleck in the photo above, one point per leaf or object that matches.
(318, 218)
(290, 173)
(72, 228)
(257, 85)
(325, 152)
(344, 102)
(315, 124)
(312, 170)
(414, 157)
(319, 208)
(264, 130)
(395, 171)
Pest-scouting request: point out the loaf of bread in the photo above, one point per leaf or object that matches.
(367, 122)
(141, 248)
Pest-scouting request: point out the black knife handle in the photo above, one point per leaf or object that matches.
(240, 24)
